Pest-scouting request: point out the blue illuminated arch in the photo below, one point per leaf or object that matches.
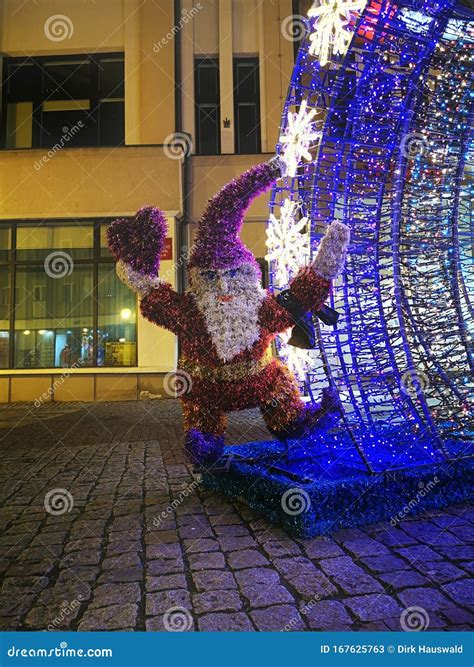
(395, 163)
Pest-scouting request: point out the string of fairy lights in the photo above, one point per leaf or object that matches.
(385, 126)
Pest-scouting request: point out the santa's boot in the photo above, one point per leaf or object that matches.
(312, 417)
(203, 449)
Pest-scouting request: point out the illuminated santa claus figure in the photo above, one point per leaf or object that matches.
(226, 321)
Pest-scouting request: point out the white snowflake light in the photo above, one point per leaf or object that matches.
(297, 138)
(288, 247)
(331, 34)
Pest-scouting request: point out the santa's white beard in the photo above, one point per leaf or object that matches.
(232, 325)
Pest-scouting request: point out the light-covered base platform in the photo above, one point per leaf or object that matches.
(312, 495)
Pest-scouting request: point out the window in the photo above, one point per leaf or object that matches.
(69, 306)
(207, 106)
(247, 105)
(63, 100)
(4, 315)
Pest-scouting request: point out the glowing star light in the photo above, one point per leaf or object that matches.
(288, 246)
(297, 138)
(331, 34)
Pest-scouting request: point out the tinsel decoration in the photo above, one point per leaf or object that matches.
(226, 322)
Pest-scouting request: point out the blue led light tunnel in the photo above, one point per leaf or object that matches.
(395, 163)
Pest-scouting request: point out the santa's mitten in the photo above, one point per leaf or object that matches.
(138, 242)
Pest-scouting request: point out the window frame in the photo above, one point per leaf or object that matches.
(200, 104)
(97, 259)
(255, 61)
(38, 98)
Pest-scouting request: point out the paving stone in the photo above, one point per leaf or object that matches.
(119, 548)
(114, 617)
(236, 543)
(122, 575)
(457, 615)
(349, 576)
(468, 566)
(260, 595)
(238, 622)
(463, 532)
(373, 607)
(426, 598)
(461, 591)
(165, 566)
(164, 582)
(385, 563)
(41, 568)
(155, 551)
(80, 558)
(38, 553)
(322, 547)
(439, 572)
(213, 601)
(430, 534)
(402, 579)
(246, 558)
(235, 530)
(428, 621)
(326, 615)
(129, 559)
(109, 594)
(279, 548)
(418, 553)
(159, 603)
(225, 519)
(314, 585)
(207, 561)
(457, 553)
(200, 546)
(365, 547)
(395, 537)
(277, 619)
(57, 616)
(263, 575)
(211, 580)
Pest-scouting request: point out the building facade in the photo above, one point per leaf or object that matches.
(108, 106)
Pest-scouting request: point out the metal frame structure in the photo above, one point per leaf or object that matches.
(395, 163)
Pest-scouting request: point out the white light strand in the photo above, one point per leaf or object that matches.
(331, 33)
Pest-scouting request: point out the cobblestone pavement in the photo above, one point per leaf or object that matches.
(110, 553)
